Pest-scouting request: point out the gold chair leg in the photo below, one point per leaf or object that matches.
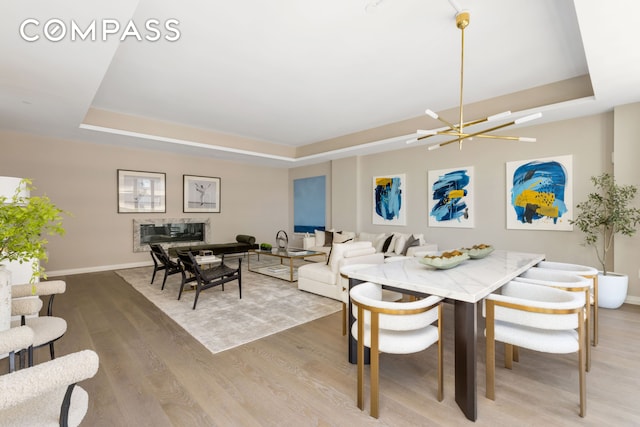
(491, 352)
(375, 367)
(360, 399)
(587, 328)
(344, 319)
(595, 311)
(440, 373)
(582, 369)
(508, 356)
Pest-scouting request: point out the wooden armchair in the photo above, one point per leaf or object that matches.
(207, 278)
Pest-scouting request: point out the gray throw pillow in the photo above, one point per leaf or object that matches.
(411, 241)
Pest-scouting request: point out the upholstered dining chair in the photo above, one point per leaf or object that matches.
(536, 317)
(566, 282)
(392, 327)
(589, 273)
(387, 295)
(47, 329)
(162, 261)
(47, 394)
(15, 340)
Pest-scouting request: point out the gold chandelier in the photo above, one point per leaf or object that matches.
(458, 131)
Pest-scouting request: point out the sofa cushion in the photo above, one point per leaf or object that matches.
(245, 238)
(338, 250)
(398, 243)
(342, 237)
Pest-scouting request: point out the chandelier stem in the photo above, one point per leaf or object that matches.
(461, 121)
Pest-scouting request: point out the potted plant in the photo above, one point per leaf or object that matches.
(25, 223)
(604, 214)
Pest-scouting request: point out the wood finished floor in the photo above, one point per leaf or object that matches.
(152, 373)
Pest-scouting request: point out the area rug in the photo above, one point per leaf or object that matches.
(221, 320)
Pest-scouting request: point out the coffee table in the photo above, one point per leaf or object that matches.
(280, 270)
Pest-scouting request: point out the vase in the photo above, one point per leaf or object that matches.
(5, 298)
(612, 289)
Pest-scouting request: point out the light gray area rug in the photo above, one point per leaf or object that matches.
(221, 320)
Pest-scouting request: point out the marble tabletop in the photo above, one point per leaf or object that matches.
(470, 281)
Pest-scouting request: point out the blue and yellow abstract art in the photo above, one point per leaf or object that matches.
(540, 194)
(451, 198)
(389, 195)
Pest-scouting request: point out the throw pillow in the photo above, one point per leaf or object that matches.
(378, 241)
(386, 244)
(319, 237)
(336, 241)
(411, 241)
(328, 238)
(341, 237)
(399, 242)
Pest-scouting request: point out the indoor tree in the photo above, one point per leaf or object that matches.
(605, 213)
(25, 223)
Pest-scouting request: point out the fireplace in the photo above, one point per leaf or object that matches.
(170, 232)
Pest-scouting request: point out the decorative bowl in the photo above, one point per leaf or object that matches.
(478, 251)
(445, 260)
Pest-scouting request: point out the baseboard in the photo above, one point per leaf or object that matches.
(95, 269)
(632, 300)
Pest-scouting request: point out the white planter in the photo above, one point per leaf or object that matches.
(612, 289)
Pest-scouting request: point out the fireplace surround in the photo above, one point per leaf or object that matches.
(170, 232)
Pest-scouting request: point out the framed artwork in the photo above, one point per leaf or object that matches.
(540, 194)
(201, 194)
(451, 198)
(309, 204)
(389, 200)
(141, 192)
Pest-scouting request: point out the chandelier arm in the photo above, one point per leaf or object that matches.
(471, 135)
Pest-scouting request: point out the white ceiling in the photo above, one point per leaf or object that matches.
(293, 72)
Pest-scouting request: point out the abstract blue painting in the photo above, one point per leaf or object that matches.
(451, 198)
(309, 204)
(539, 194)
(389, 200)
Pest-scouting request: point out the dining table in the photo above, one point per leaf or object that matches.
(464, 286)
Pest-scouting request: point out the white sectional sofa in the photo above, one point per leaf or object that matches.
(345, 248)
(389, 244)
(323, 278)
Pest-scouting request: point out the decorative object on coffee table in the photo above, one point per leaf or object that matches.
(282, 240)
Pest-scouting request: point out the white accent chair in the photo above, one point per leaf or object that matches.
(323, 278)
(47, 394)
(538, 318)
(392, 327)
(587, 272)
(47, 329)
(567, 282)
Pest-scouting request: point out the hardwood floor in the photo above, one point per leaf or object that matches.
(152, 373)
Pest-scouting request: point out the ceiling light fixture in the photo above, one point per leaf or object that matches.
(458, 131)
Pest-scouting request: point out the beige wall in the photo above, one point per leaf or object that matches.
(80, 177)
(589, 140)
(626, 158)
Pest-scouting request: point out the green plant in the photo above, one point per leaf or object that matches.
(606, 213)
(24, 224)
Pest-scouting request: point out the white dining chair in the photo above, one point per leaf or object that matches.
(387, 295)
(392, 327)
(565, 281)
(587, 272)
(538, 318)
